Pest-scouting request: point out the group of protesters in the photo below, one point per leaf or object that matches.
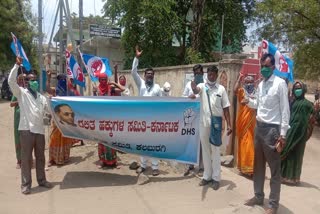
(273, 125)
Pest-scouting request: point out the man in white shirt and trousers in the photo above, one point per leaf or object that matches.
(198, 78)
(33, 106)
(273, 115)
(219, 105)
(146, 87)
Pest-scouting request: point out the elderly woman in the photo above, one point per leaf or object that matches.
(246, 121)
(300, 130)
(123, 82)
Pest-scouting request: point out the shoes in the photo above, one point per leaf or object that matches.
(187, 172)
(140, 170)
(253, 201)
(26, 191)
(204, 182)
(46, 185)
(155, 172)
(271, 210)
(200, 172)
(134, 165)
(215, 185)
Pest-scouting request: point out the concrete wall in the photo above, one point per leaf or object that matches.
(178, 76)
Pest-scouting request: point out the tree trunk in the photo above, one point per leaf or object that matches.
(198, 9)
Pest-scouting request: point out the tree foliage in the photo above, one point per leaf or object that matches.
(295, 25)
(16, 17)
(158, 24)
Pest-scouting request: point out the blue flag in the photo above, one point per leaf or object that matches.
(18, 50)
(283, 64)
(96, 66)
(77, 72)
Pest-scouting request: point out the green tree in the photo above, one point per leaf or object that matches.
(156, 25)
(294, 25)
(16, 17)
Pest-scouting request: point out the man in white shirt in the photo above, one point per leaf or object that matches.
(198, 78)
(33, 105)
(215, 94)
(272, 124)
(146, 87)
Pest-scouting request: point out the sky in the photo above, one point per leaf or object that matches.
(49, 10)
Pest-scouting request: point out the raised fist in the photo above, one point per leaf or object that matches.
(188, 117)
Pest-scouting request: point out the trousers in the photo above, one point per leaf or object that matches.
(265, 139)
(211, 156)
(29, 141)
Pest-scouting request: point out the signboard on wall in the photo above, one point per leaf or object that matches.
(105, 31)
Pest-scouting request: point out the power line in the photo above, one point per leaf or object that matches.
(52, 16)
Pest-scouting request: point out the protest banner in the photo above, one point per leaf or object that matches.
(164, 128)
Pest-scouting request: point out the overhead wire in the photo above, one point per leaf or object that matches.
(52, 17)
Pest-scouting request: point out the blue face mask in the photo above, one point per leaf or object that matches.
(198, 79)
(249, 88)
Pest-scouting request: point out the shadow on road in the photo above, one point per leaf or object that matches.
(87, 179)
(284, 210)
(231, 185)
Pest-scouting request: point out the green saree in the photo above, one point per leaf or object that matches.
(292, 155)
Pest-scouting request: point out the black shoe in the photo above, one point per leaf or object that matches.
(26, 191)
(253, 201)
(215, 185)
(140, 170)
(204, 182)
(46, 185)
(155, 172)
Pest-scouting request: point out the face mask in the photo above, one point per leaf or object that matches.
(198, 79)
(298, 92)
(34, 85)
(249, 87)
(149, 82)
(266, 72)
(211, 83)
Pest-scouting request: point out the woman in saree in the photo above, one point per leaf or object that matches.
(59, 146)
(246, 121)
(107, 155)
(123, 82)
(301, 126)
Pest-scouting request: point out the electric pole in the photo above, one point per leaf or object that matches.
(81, 34)
(61, 36)
(40, 44)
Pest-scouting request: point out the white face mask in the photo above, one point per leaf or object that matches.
(210, 83)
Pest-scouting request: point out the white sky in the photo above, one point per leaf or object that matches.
(93, 7)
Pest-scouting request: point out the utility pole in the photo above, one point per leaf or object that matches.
(40, 43)
(81, 34)
(222, 25)
(61, 46)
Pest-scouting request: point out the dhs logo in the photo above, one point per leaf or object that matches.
(188, 118)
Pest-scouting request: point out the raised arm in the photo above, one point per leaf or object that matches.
(195, 88)
(48, 88)
(117, 86)
(12, 80)
(137, 79)
(237, 84)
